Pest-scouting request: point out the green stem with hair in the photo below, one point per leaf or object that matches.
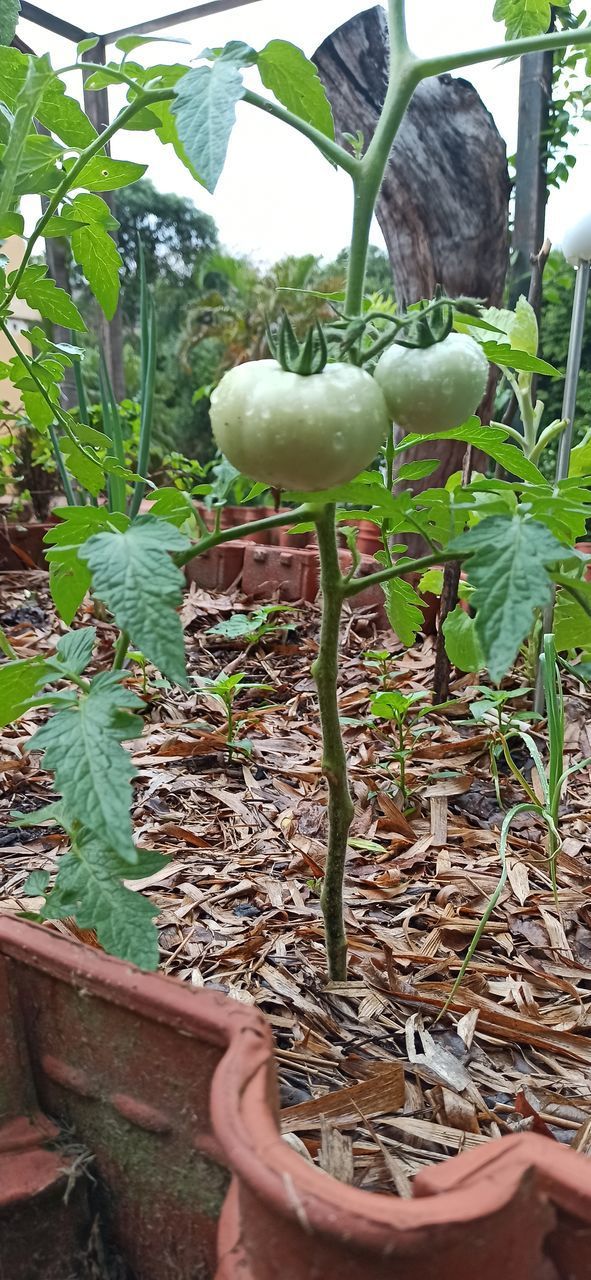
(334, 760)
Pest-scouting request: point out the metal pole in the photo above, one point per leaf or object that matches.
(573, 369)
(569, 407)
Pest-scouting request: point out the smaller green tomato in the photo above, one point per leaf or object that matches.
(296, 432)
(433, 388)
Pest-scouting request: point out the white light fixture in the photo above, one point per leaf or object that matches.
(576, 243)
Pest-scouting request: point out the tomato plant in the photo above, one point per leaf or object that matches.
(324, 422)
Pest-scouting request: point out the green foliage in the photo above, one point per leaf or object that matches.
(9, 12)
(295, 82)
(492, 441)
(69, 576)
(507, 563)
(461, 641)
(95, 250)
(206, 98)
(133, 573)
(205, 112)
(82, 745)
(225, 689)
(252, 627)
(523, 17)
(89, 887)
(18, 685)
(404, 608)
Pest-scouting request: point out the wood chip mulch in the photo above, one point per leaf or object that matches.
(239, 909)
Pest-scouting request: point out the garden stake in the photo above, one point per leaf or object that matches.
(569, 406)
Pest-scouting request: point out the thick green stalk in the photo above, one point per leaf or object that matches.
(368, 178)
(334, 760)
(446, 62)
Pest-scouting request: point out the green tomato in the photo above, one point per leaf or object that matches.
(433, 388)
(295, 432)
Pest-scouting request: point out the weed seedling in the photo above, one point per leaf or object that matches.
(252, 627)
(225, 690)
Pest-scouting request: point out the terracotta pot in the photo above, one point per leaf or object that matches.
(21, 545)
(369, 538)
(233, 516)
(124, 1062)
(520, 1207)
(285, 538)
(585, 547)
(219, 568)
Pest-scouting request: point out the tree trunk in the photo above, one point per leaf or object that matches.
(443, 207)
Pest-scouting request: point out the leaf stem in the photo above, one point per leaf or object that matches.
(220, 536)
(329, 149)
(334, 760)
(354, 585)
(440, 65)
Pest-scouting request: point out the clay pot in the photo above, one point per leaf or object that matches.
(21, 545)
(288, 539)
(520, 1207)
(234, 516)
(585, 547)
(124, 1062)
(369, 538)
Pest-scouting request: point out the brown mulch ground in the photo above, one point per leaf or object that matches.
(239, 906)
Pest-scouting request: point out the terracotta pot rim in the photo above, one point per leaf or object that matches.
(462, 1191)
(208, 1015)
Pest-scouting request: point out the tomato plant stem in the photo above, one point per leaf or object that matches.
(330, 149)
(334, 760)
(296, 516)
(121, 651)
(509, 49)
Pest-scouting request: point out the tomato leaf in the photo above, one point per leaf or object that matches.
(42, 293)
(89, 886)
(506, 563)
(19, 683)
(508, 357)
(295, 82)
(404, 608)
(491, 440)
(69, 576)
(38, 74)
(523, 17)
(74, 650)
(95, 250)
(9, 13)
(461, 641)
(205, 113)
(82, 745)
(137, 579)
(572, 624)
(104, 174)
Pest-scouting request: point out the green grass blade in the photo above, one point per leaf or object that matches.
(494, 898)
(112, 428)
(148, 382)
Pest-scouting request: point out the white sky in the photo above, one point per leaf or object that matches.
(277, 195)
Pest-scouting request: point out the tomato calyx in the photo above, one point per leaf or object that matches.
(307, 357)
